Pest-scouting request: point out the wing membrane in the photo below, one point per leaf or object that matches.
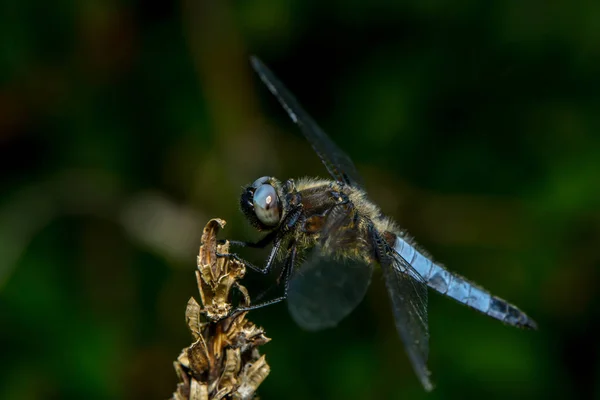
(324, 291)
(326, 288)
(408, 293)
(339, 165)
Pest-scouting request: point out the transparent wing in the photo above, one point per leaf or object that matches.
(323, 291)
(339, 165)
(326, 288)
(408, 293)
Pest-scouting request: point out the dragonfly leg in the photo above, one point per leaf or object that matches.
(264, 270)
(286, 274)
(261, 244)
(237, 258)
(288, 223)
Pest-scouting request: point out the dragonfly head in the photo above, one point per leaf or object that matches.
(261, 203)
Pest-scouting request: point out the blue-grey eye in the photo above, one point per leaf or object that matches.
(266, 205)
(259, 181)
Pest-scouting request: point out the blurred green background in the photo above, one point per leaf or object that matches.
(126, 125)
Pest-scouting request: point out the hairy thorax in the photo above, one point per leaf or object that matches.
(339, 217)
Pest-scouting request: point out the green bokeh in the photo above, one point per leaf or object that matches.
(125, 126)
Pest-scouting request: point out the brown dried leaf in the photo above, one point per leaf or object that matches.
(199, 357)
(194, 318)
(252, 376)
(198, 391)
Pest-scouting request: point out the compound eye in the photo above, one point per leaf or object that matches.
(259, 181)
(266, 205)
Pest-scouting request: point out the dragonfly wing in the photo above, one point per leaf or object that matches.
(339, 165)
(327, 287)
(323, 290)
(408, 293)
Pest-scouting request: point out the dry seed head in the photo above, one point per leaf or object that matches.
(224, 361)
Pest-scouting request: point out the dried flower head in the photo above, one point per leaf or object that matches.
(223, 362)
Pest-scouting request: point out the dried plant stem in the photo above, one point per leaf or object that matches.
(223, 362)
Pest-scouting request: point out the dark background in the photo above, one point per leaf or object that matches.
(126, 125)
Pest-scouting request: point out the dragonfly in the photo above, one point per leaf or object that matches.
(327, 237)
